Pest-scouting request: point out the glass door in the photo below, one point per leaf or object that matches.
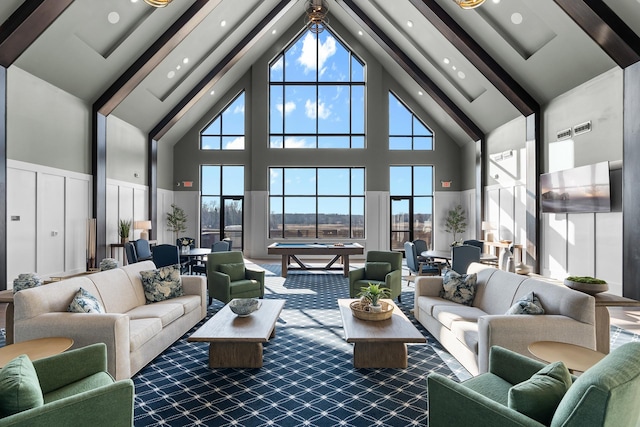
(401, 229)
(232, 220)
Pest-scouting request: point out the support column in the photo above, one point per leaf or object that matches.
(152, 179)
(3, 178)
(99, 167)
(534, 151)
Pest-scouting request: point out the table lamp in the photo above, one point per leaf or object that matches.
(488, 228)
(144, 226)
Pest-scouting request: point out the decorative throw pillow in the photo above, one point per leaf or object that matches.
(376, 270)
(19, 387)
(460, 288)
(108, 264)
(162, 284)
(539, 396)
(26, 281)
(84, 302)
(235, 270)
(528, 304)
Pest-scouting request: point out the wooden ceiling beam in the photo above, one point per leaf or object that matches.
(154, 55)
(220, 69)
(479, 58)
(398, 55)
(606, 28)
(25, 25)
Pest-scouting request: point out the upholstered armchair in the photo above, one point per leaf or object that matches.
(77, 390)
(380, 267)
(227, 277)
(605, 395)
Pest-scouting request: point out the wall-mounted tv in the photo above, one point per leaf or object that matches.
(582, 189)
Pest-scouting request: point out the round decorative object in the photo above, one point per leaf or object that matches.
(523, 268)
(588, 288)
(243, 307)
(108, 264)
(26, 281)
(363, 311)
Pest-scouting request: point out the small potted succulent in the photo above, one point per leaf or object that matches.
(586, 284)
(373, 294)
(124, 227)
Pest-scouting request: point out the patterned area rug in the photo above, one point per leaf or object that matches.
(307, 379)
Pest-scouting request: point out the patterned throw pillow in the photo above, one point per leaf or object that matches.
(162, 284)
(528, 304)
(235, 270)
(19, 387)
(84, 302)
(460, 288)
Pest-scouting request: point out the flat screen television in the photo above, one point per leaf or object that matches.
(581, 189)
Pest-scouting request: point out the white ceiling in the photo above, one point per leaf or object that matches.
(547, 53)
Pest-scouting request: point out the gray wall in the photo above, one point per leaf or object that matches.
(126, 152)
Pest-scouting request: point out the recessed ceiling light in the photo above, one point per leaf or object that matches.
(274, 31)
(453, 67)
(113, 17)
(134, 1)
(496, 1)
(516, 18)
(185, 60)
(213, 92)
(223, 23)
(360, 32)
(446, 60)
(461, 74)
(420, 93)
(178, 67)
(171, 74)
(410, 24)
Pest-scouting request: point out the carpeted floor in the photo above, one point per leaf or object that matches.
(307, 378)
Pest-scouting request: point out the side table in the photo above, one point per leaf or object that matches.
(6, 297)
(35, 349)
(603, 319)
(575, 357)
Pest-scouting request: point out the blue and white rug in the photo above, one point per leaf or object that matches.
(307, 379)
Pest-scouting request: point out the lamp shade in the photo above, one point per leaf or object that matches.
(142, 225)
(487, 226)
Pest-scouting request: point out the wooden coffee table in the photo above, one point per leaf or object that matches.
(35, 349)
(575, 357)
(236, 342)
(382, 343)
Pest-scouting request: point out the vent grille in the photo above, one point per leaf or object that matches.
(563, 134)
(582, 128)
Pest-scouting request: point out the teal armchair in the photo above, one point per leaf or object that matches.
(380, 267)
(78, 391)
(227, 277)
(604, 395)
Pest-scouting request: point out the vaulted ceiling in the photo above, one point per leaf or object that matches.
(156, 68)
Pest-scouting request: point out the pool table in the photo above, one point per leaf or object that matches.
(290, 251)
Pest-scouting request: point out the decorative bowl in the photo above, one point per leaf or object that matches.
(244, 306)
(588, 288)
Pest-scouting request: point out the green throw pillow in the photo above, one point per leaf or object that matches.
(539, 396)
(19, 387)
(162, 284)
(234, 270)
(460, 288)
(85, 302)
(528, 304)
(376, 270)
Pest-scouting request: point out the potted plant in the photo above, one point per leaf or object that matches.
(586, 284)
(176, 220)
(455, 222)
(124, 227)
(373, 294)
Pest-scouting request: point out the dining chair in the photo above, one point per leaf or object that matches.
(462, 256)
(130, 253)
(421, 246)
(415, 266)
(143, 250)
(476, 243)
(221, 246)
(164, 255)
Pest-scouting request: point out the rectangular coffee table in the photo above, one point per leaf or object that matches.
(381, 343)
(236, 342)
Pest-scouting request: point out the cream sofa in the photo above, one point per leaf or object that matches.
(468, 332)
(134, 332)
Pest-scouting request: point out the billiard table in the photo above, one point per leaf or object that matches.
(290, 251)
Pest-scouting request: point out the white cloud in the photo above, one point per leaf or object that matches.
(276, 143)
(278, 65)
(236, 144)
(239, 109)
(298, 143)
(307, 57)
(288, 107)
(322, 111)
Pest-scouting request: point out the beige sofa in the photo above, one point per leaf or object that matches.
(134, 332)
(468, 332)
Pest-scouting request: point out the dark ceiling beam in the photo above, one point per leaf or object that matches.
(606, 28)
(154, 55)
(398, 55)
(220, 69)
(461, 40)
(25, 25)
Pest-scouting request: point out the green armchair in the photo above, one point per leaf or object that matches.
(78, 391)
(380, 267)
(227, 277)
(604, 395)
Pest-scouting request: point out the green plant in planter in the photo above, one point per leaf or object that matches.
(124, 228)
(586, 279)
(176, 220)
(374, 293)
(455, 222)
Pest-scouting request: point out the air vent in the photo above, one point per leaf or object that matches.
(582, 128)
(563, 134)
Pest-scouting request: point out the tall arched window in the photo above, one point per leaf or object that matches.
(316, 97)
